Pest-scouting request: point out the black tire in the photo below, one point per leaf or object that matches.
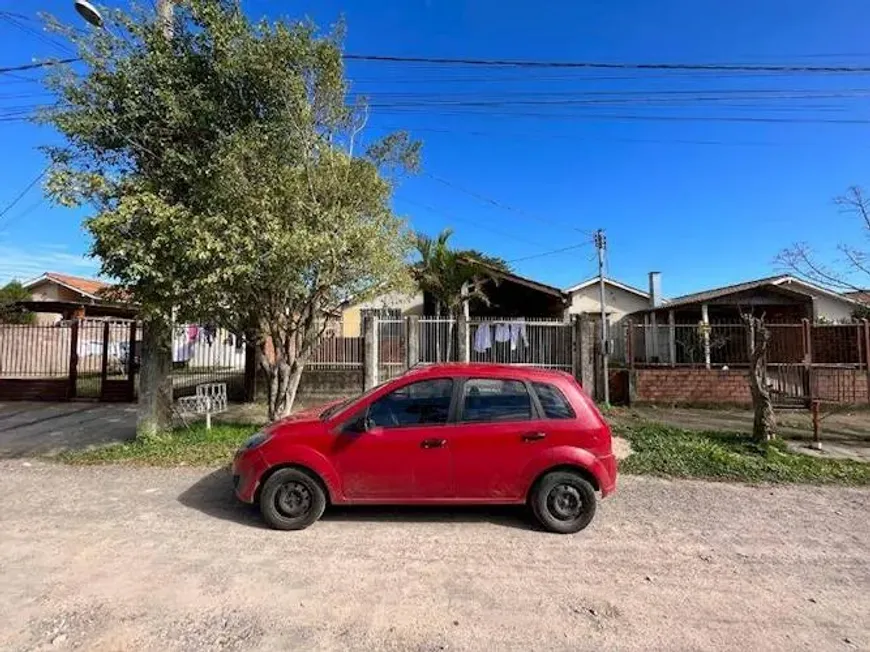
(292, 500)
(563, 502)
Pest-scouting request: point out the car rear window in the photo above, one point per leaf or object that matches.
(555, 405)
(494, 399)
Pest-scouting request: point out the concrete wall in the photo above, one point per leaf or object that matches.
(351, 316)
(830, 309)
(322, 385)
(619, 302)
(825, 306)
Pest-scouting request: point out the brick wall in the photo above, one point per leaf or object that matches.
(677, 385)
(712, 386)
(842, 385)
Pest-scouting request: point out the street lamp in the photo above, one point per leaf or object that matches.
(89, 12)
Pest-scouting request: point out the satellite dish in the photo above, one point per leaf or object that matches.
(89, 13)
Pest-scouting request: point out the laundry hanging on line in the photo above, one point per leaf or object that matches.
(501, 332)
(483, 338)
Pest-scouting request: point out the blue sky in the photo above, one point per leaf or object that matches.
(682, 185)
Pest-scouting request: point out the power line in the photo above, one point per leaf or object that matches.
(27, 211)
(551, 252)
(616, 117)
(471, 222)
(606, 139)
(498, 204)
(591, 65)
(600, 65)
(39, 64)
(14, 21)
(21, 194)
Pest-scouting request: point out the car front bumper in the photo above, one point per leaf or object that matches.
(248, 468)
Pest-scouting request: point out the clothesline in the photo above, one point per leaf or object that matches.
(500, 332)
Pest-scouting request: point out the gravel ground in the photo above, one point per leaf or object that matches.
(114, 558)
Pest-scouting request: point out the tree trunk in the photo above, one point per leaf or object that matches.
(155, 379)
(764, 424)
(283, 384)
(437, 331)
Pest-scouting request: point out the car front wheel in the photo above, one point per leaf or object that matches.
(291, 500)
(563, 502)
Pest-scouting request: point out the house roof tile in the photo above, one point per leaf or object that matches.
(89, 287)
(783, 281)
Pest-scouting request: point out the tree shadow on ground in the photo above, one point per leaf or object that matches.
(213, 495)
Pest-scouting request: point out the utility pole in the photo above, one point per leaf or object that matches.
(164, 15)
(601, 245)
(155, 379)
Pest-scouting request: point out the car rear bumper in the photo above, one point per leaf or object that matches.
(248, 468)
(608, 480)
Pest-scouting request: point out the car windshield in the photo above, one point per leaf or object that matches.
(332, 410)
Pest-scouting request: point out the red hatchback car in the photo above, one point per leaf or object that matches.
(445, 434)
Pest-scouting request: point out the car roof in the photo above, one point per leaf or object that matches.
(484, 370)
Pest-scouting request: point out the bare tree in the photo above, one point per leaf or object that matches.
(851, 272)
(764, 425)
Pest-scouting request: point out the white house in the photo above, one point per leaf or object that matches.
(620, 299)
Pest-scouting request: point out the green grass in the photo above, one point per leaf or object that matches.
(673, 452)
(194, 447)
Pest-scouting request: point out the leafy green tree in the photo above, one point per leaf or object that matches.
(495, 262)
(11, 293)
(226, 174)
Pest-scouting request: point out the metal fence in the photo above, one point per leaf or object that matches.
(528, 342)
(34, 351)
(392, 347)
(438, 340)
(202, 353)
(728, 344)
(99, 343)
(531, 342)
(336, 352)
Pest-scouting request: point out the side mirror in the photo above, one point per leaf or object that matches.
(355, 427)
(372, 429)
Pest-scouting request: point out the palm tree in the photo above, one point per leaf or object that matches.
(450, 276)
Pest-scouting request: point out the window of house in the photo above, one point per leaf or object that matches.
(424, 403)
(494, 399)
(555, 405)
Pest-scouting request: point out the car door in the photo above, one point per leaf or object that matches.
(397, 448)
(498, 430)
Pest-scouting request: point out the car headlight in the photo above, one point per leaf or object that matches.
(258, 439)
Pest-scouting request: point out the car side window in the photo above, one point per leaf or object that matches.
(494, 399)
(424, 403)
(555, 405)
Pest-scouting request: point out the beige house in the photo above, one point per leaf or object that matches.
(64, 296)
(389, 305)
(620, 299)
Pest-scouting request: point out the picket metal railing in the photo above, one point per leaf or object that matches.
(728, 344)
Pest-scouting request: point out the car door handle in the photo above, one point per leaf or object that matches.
(433, 443)
(534, 436)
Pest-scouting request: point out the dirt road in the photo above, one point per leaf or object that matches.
(128, 559)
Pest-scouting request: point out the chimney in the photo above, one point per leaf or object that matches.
(655, 289)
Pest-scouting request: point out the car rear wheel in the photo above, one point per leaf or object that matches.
(292, 500)
(563, 502)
